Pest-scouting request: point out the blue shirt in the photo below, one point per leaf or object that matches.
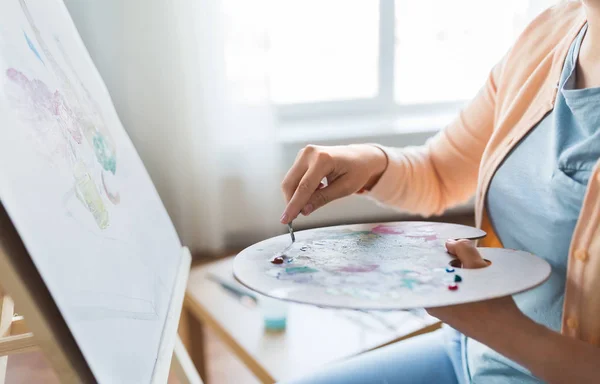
(534, 202)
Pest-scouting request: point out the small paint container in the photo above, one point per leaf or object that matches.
(274, 313)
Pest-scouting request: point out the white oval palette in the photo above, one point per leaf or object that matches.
(387, 266)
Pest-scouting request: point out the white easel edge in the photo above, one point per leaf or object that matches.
(182, 365)
(169, 336)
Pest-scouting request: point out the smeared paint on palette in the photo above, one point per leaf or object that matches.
(372, 266)
(336, 260)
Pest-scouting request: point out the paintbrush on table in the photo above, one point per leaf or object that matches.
(246, 298)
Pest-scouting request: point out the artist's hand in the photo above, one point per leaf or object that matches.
(499, 324)
(348, 169)
(471, 318)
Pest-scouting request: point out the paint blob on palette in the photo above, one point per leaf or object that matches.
(381, 266)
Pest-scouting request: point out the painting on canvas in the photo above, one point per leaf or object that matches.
(79, 196)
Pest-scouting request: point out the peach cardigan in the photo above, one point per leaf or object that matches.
(461, 159)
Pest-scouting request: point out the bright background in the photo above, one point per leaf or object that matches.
(219, 95)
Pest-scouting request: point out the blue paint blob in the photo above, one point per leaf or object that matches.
(449, 269)
(32, 47)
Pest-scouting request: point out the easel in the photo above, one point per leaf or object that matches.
(42, 326)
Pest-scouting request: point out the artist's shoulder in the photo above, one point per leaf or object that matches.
(553, 24)
(548, 30)
(538, 42)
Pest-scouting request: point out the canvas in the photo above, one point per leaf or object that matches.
(79, 196)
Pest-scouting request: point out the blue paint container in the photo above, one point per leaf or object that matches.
(274, 313)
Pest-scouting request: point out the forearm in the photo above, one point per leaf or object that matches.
(553, 357)
(412, 183)
(444, 172)
(431, 178)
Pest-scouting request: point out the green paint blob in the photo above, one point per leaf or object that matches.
(104, 153)
(296, 270)
(409, 282)
(457, 279)
(88, 195)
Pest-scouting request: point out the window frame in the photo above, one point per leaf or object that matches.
(383, 103)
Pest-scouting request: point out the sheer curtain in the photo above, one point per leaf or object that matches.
(188, 79)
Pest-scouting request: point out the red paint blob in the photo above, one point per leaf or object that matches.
(277, 260)
(453, 287)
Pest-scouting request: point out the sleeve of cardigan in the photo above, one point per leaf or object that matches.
(442, 173)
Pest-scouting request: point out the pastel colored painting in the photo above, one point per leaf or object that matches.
(78, 194)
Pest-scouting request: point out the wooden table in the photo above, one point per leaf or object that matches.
(314, 337)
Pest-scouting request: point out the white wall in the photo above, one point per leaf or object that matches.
(141, 51)
(150, 57)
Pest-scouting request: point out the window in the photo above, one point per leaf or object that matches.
(328, 57)
(444, 50)
(323, 50)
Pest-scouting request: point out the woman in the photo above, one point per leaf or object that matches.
(528, 147)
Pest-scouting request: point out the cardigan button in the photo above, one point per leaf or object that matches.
(581, 255)
(572, 323)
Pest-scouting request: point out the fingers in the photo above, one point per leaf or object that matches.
(307, 157)
(320, 165)
(338, 188)
(292, 179)
(467, 254)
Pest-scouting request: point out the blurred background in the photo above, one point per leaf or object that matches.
(218, 96)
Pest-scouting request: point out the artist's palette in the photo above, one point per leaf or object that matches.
(383, 266)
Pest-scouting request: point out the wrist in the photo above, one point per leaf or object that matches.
(377, 165)
(487, 321)
(500, 328)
